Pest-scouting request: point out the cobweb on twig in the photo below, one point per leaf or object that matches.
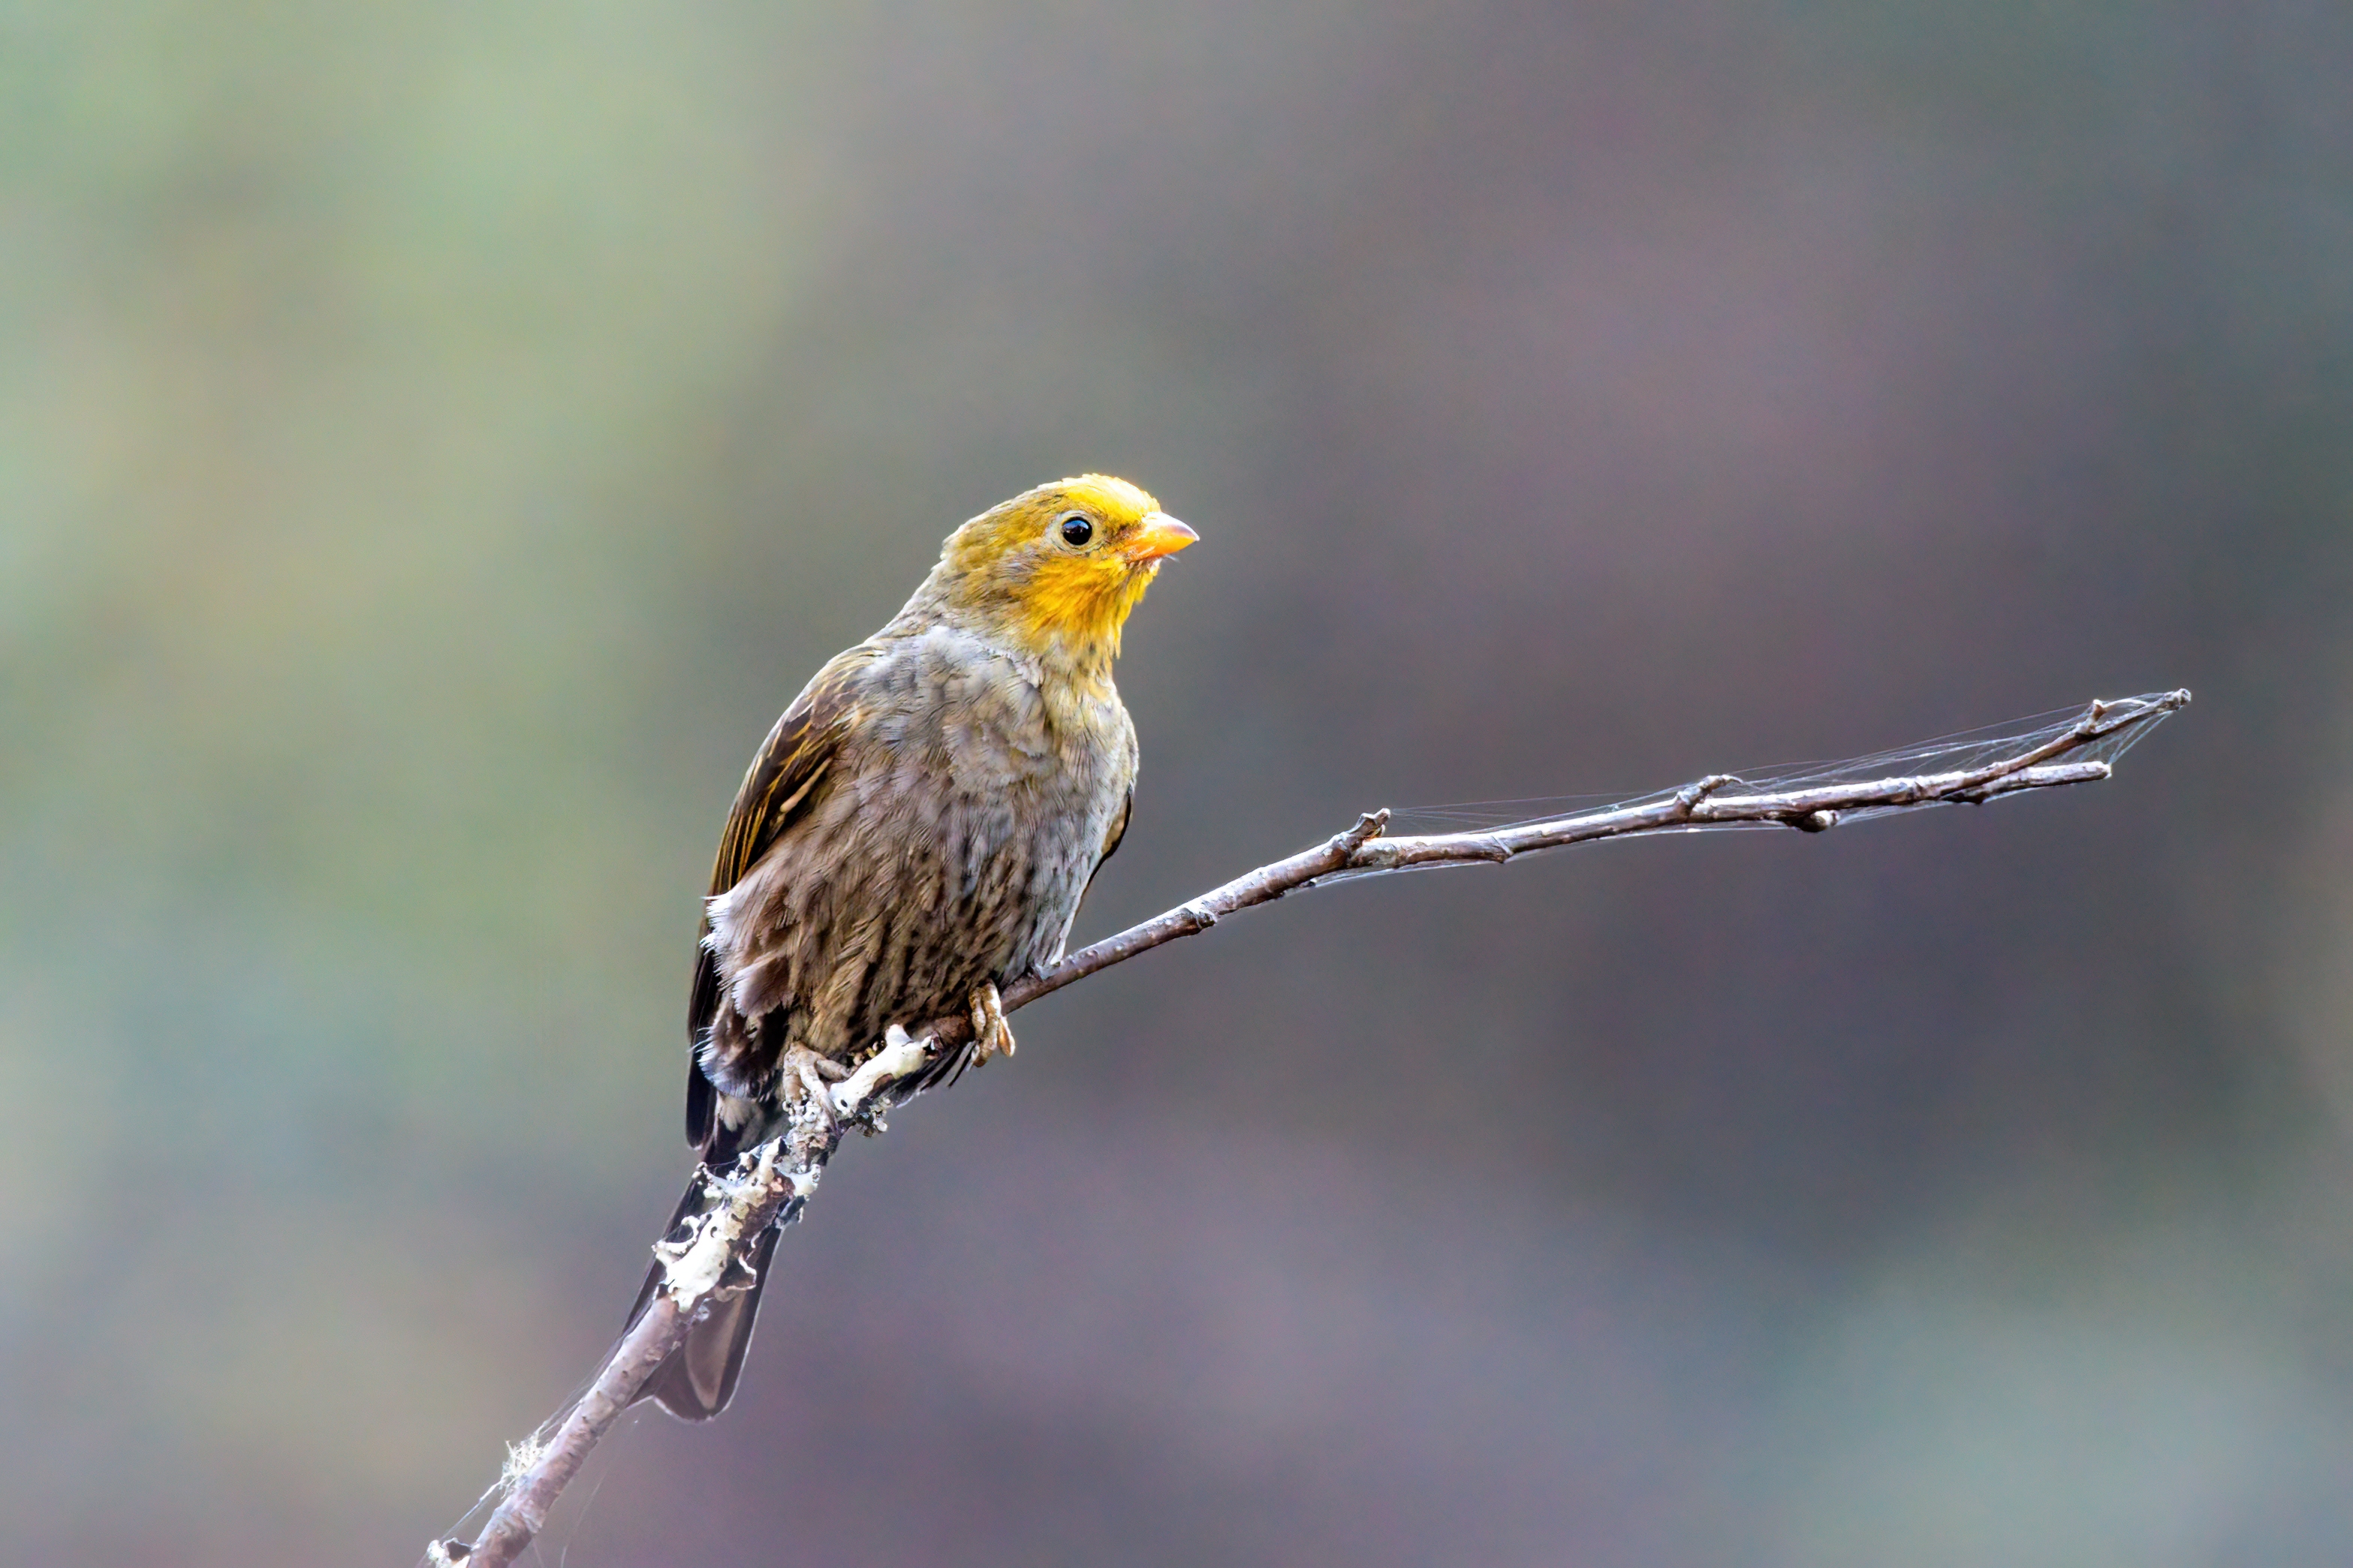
(2121, 727)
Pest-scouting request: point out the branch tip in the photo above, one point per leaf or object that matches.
(1692, 795)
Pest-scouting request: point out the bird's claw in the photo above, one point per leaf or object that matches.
(807, 1077)
(992, 1037)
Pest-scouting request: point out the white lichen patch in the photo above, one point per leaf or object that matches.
(522, 1460)
(706, 1262)
(899, 1057)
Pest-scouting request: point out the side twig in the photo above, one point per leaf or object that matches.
(769, 1185)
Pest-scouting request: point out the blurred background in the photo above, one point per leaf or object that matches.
(435, 441)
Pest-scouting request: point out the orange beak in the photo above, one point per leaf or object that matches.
(1159, 536)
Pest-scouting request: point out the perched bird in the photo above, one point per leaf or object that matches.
(915, 833)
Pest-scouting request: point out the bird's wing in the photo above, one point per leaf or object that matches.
(777, 788)
(1111, 840)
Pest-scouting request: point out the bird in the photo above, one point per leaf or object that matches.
(915, 834)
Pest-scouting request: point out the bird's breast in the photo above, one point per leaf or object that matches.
(966, 810)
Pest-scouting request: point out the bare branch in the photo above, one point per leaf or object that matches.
(1362, 850)
(769, 1185)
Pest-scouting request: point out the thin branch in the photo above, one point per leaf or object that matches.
(770, 1184)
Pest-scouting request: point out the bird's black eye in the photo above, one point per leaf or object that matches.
(1077, 530)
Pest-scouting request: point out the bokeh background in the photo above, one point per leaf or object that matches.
(436, 439)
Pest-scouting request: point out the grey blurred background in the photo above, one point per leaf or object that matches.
(435, 440)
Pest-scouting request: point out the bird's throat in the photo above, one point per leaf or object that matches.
(1077, 608)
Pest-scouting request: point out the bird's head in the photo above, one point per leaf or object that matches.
(1056, 570)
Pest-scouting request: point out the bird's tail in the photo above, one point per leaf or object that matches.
(698, 1379)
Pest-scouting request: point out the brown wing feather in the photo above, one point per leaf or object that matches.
(776, 791)
(1111, 840)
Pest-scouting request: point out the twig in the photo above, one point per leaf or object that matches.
(769, 1185)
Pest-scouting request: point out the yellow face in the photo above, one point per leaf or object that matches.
(1065, 563)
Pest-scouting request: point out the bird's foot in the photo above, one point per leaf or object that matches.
(806, 1078)
(992, 1037)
